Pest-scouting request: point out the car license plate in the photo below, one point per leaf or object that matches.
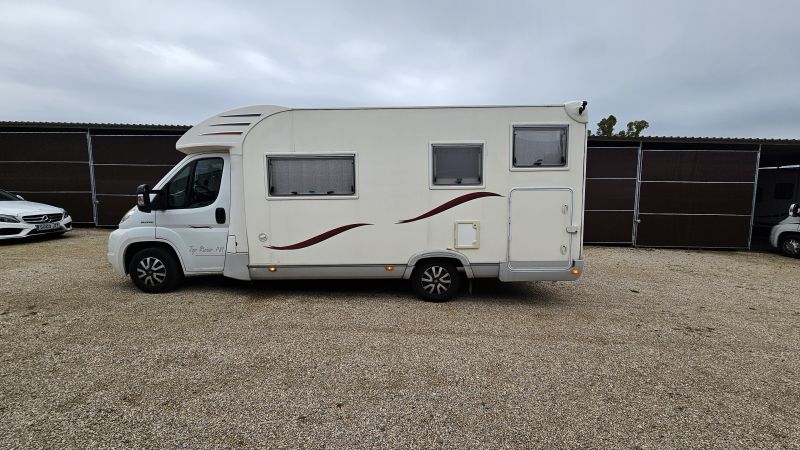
(47, 226)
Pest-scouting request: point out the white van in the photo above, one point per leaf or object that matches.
(785, 236)
(430, 194)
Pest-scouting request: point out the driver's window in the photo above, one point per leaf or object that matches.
(177, 189)
(206, 181)
(195, 185)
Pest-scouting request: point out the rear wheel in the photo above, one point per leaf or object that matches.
(790, 245)
(155, 270)
(436, 281)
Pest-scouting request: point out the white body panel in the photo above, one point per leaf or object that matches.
(392, 150)
(787, 225)
(539, 218)
(542, 206)
(195, 231)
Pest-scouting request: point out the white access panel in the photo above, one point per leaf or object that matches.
(467, 234)
(538, 235)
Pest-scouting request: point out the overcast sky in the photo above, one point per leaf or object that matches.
(700, 68)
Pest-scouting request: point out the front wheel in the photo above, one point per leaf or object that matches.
(790, 245)
(155, 270)
(436, 281)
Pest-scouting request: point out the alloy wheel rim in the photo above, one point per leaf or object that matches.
(151, 271)
(436, 280)
(792, 246)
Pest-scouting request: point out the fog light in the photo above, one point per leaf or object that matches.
(575, 271)
(273, 269)
(389, 268)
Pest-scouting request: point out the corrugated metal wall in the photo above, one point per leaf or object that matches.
(670, 194)
(610, 194)
(122, 162)
(93, 174)
(696, 196)
(48, 167)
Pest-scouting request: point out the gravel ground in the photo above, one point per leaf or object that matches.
(651, 348)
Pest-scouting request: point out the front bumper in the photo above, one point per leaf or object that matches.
(20, 230)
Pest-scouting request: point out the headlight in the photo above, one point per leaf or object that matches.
(127, 216)
(66, 214)
(8, 219)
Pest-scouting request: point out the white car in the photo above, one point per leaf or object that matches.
(20, 218)
(785, 236)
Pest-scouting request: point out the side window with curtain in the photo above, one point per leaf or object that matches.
(311, 175)
(457, 164)
(540, 146)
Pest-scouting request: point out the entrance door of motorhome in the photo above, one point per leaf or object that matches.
(196, 214)
(540, 229)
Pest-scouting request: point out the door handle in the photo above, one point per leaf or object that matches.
(219, 214)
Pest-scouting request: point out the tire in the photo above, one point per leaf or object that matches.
(155, 270)
(790, 245)
(436, 280)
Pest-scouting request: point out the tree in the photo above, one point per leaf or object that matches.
(606, 127)
(636, 127)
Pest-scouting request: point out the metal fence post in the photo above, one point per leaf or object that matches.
(91, 175)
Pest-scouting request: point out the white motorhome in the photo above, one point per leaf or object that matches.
(430, 194)
(785, 235)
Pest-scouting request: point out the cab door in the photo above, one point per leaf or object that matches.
(196, 204)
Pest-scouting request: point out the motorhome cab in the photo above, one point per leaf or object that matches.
(785, 236)
(432, 194)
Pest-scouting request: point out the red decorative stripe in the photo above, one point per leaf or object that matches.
(218, 133)
(454, 202)
(319, 238)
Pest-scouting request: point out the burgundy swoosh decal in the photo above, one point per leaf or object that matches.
(318, 238)
(454, 202)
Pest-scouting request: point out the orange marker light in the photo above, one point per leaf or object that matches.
(273, 269)
(389, 268)
(575, 271)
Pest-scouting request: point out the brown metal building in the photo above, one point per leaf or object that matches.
(91, 170)
(685, 192)
(647, 192)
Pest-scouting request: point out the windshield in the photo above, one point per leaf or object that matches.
(7, 196)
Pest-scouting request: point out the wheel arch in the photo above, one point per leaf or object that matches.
(458, 258)
(134, 247)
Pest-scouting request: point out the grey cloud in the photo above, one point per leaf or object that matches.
(691, 68)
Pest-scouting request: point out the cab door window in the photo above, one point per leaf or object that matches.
(177, 189)
(205, 182)
(196, 185)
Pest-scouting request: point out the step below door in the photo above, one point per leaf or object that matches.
(539, 229)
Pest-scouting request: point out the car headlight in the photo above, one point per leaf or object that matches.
(126, 216)
(66, 214)
(8, 219)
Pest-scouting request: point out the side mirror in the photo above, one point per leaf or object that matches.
(794, 210)
(143, 198)
(20, 197)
